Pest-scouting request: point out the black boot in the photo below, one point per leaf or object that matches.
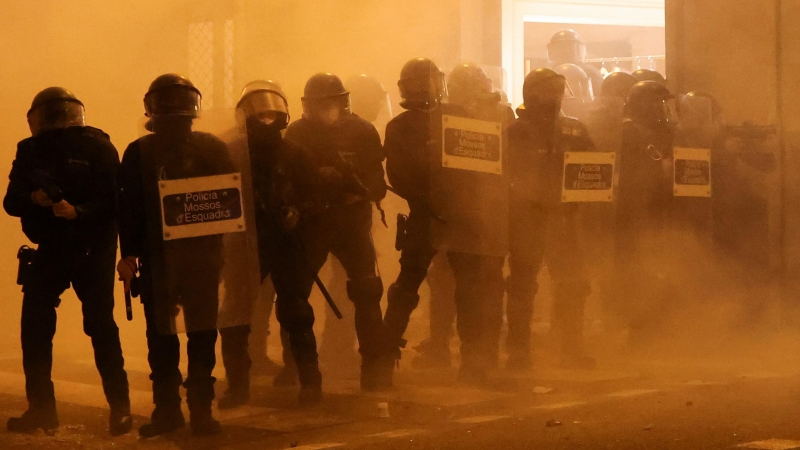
(201, 421)
(237, 394)
(376, 373)
(401, 303)
(165, 419)
(120, 421)
(199, 396)
(44, 418)
(433, 354)
(310, 385)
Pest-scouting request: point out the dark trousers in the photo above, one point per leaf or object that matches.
(478, 283)
(92, 277)
(164, 353)
(339, 335)
(244, 343)
(540, 234)
(345, 232)
(442, 305)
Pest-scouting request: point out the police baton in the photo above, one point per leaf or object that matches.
(128, 307)
(298, 245)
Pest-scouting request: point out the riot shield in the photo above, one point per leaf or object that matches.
(201, 234)
(468, 180)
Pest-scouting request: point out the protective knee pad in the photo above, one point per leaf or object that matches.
(365, 290)
(106, 329)
(297, 315)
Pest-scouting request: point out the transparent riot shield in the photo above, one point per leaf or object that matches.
(468, 176)
(201, 237)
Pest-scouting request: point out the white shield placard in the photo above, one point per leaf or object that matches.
(588, 177)
(470, 144)
(202, 206)
(692, 169)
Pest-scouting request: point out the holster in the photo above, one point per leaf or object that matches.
(26, 257)
(402, 232)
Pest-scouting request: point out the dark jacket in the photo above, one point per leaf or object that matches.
(81, 162)
(536, 158)
(352, 146)
(413, 144)
(155, 157)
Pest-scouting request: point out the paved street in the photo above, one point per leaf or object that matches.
(740, 395)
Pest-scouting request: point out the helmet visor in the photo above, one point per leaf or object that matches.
(261, 102)
(173, 101)
(328, 110)
(670, 111)
(61, 114)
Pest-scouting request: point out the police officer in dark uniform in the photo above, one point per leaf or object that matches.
(644, 204)
(542, 228)
(650, 75)
(581, 99)
(605, 120)
(469, 87)
(62, 186)
(567, 47)
(348, 152)
(285, 189)
(173, 151)
(369, 101)
(411, 140)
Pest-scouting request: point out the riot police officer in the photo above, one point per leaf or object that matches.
(62, 186)
(567, 47)
(579, 103)
(542, 228)
(469, 87)
(348, 152)
(285, 186)
(173, 151)
(644, 206)
(650, 75)
(412, 141)
(369, 101)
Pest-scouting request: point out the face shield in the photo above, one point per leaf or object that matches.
(62, 114)
(669, 109)
(429, 90)
(174, 101)
(326, 111)
(268, 106)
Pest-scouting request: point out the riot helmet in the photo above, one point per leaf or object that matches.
(618, 85)
(468, 84)
(566, 46)
(368, 97)
(266, 101)
(421, 84)
(55, 107)
(701, 117)
(579, 82)
(651, 104)
(649, 75)
(543, 91)
(325, 100)
(172, 95)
